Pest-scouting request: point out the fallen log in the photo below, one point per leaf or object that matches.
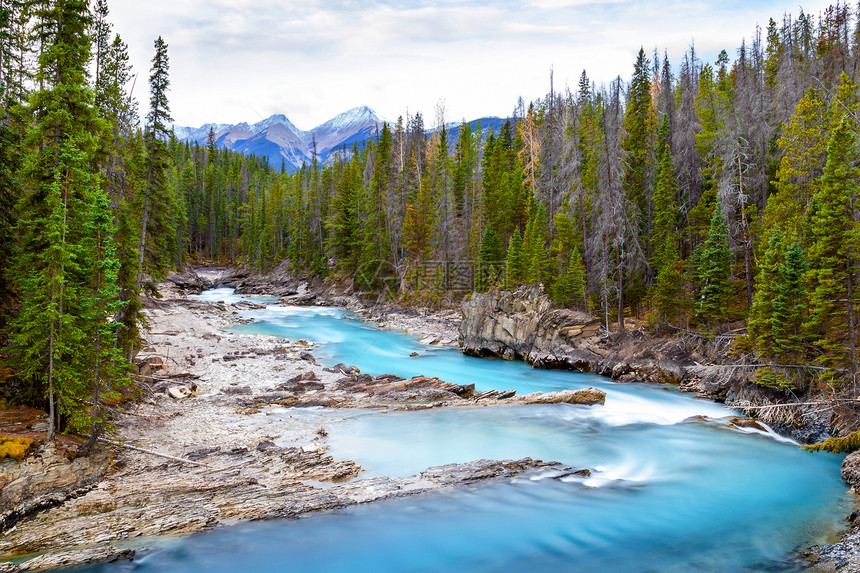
(153, 453)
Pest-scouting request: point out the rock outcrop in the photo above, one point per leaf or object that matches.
(523, 325)
(851, 470)
(188, 282)
(45, 478)
(89, 529)
(584, 397)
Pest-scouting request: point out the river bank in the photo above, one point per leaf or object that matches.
(217, 402)
(203, 449)
(524, 326)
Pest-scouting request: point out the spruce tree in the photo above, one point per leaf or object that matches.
(833, 250)
(514, 261)
(664, 228)
(790, 305)
(109, 370)
(11, 138)
(711, 102)
(345, 224)
(569, 289)
(490, 261)
(157, 201)
(377, 245)
(803, 145)
(767, 284)
(55, 228)
(712, 273)
(534, 253)
(670, 298)
(637, 144)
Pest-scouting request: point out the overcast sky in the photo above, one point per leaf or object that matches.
(243, 60)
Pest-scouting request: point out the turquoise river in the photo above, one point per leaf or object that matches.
(673, 488)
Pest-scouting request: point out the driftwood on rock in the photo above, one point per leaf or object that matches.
(153, 453)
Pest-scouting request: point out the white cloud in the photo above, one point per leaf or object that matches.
(234, 59)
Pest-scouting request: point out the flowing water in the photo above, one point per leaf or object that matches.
(673, 488)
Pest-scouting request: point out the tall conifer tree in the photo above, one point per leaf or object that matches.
(157, 202)
(55, 225)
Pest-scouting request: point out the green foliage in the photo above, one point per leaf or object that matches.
(637, 142)
(803, 145)
(712, 270)
(776, 379)
(846, 445)
(514, 261)
(55, 226)
(780, 302)
(534, 252)
(664, 230)
(833, 248)
(158, 208)
(670, 297)
(490, 261)
(345, 226)
(570, 288)
(712, 103)
(580, 193)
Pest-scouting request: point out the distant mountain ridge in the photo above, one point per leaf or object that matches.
(277, 139)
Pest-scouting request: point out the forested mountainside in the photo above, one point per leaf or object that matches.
(717, 196)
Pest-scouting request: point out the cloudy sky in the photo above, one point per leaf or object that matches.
(243, 60)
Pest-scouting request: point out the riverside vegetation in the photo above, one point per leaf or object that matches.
(716, 201)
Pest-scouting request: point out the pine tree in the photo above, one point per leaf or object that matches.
(11, 138)
(377, 244)
(569, 289)
(490, 261)
(790, 305)
(345, 240)
(158, 203)
(420, 221)
(670, 297)
(130, 181)
(803, 153)
(637, 144)
(711, 103)
(664, 229)
(534, 252)
(514, 261)
(833, 251)
(767, 285)
(54, 227)
(109, 366)
(712, 273)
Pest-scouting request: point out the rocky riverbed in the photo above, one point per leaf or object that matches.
(201, 450)
(524, 325)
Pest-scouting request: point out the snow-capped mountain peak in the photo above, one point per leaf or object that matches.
(277, 138)
(276, 119)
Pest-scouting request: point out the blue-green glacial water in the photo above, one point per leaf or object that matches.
(668, 493)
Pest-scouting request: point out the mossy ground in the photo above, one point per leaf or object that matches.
(14, 448)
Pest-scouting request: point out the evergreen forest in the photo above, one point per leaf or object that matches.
(715, 197)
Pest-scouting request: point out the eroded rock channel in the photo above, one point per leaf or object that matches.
(200, 450)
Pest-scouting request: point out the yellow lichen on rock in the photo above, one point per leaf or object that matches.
(14, 447)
